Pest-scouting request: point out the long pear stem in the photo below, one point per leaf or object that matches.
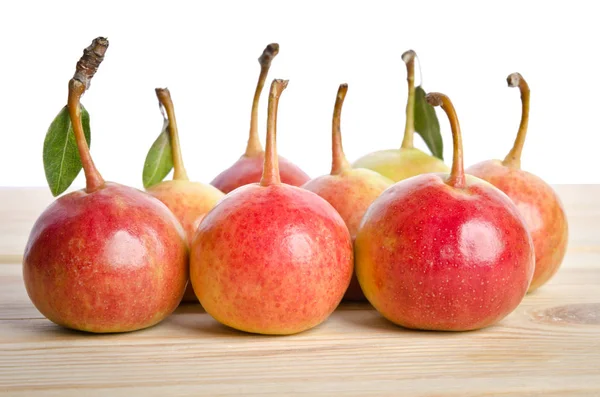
(339, 163)
(513, 159)
(457, 174)
(409, 129)
(254, 147)
(270, 174)
(86, 68)
(164, 98)
(93, 178)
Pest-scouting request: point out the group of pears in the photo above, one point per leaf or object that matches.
(266, 249)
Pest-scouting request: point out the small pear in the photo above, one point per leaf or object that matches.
(271, 258)
(249, 167)
(536, 200)
(188, 201)
(408, 161)
(107, 258)
(349, 190)
(444, 251)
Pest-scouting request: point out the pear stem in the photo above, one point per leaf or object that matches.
(254, 147)
(164, 98)
(270, 174)
(93, 178)
(457, 174)
(339, 163)
(86, 67)
(513, 159)
(409, 129)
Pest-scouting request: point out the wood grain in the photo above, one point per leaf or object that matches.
(550, 345)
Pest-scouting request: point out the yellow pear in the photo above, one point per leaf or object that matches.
(188, 201)
(407, 161)
(349, 190)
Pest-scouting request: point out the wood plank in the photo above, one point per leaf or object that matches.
(19, 208)
(548, 346)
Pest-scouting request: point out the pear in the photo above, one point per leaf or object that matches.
(535, 199)
(188, 201)
(107, 258)
(444, 251)
(349, 190)
(249, 167)
(271, 258)
(408, 161)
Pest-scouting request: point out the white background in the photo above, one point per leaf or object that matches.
(206, 54)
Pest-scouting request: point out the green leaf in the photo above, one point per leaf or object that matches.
(61, 156)
(427, 124)
(159, 160)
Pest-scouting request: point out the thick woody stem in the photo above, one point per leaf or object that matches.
(90, 61)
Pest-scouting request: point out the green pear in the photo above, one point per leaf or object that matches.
(408, 161)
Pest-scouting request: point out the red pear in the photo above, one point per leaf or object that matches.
(444, 252)
(349, 190)
(188, 200)
(536, 200)
(249, 167)
(108, 258)
(271, 258)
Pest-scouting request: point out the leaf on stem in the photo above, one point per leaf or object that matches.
(427, 124)
(61, 155)
(159, 160)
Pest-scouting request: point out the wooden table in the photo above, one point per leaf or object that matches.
(550, 346)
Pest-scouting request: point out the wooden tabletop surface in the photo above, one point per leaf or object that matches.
(549, 346)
